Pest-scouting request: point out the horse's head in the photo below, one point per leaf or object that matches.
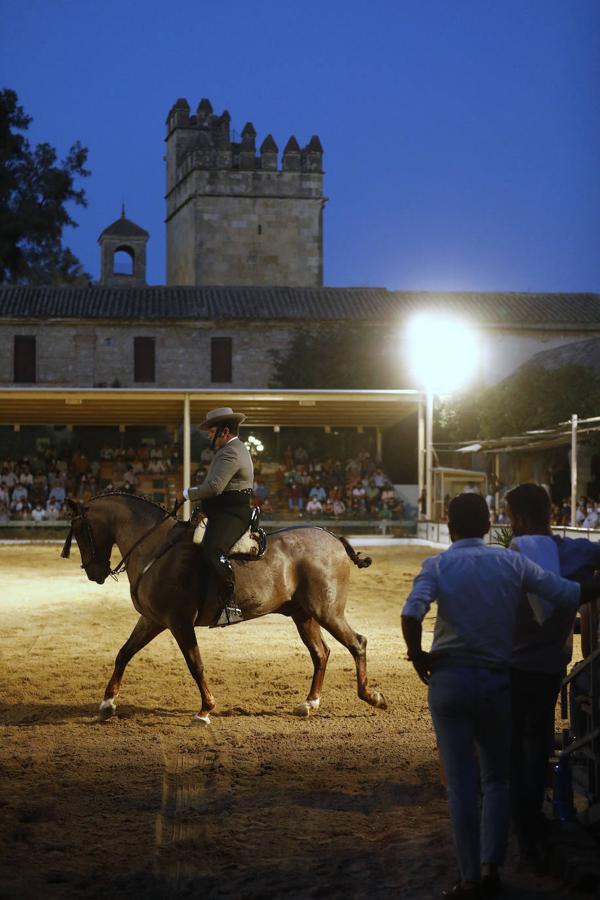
(93, 539)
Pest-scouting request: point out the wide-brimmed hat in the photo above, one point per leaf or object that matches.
(221, 414)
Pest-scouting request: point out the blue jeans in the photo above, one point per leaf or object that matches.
(471, 713)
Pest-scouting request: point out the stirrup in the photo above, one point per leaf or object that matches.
(230, 615)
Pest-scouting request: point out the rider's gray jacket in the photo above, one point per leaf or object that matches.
(230, 470)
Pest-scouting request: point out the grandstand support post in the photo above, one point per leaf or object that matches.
(420, 457)
(187, 452)
(573, 471)
(378, 444)
(429, 455)
(497, 485)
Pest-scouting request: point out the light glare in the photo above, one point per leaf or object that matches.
(443, 351)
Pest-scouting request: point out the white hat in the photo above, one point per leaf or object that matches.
(221, 414)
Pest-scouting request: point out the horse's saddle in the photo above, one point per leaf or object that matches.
(251, 545)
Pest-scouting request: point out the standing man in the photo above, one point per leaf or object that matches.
(225, 494)
(543, 647)
(478, 589)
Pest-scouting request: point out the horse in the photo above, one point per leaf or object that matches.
(304, 574)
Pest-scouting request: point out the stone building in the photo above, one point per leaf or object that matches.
(234, 217)
(244, 273)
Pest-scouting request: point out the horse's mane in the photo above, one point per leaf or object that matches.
(143, 497)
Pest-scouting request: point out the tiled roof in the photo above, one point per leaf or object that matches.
(295, 304)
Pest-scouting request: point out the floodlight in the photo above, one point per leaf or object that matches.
(443, 351)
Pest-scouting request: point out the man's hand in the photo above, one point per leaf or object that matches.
(422, 664)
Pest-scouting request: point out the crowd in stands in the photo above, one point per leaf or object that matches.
(35, 488)
(334, 488)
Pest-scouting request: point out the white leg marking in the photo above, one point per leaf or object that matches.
(305, 707)
(108, 704)
(201, 720)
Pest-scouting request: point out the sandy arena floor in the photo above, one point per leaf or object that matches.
(261, 804)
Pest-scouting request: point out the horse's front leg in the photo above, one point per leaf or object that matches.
(185, 636)
(144, 632)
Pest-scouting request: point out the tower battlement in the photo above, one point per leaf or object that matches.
(210, 141)
(238, 214)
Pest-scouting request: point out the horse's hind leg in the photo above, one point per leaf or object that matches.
(144, 632)
(356, 643)
(310, 632)
(185, 636)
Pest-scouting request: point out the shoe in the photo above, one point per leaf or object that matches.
(463, 890)
(230, 615)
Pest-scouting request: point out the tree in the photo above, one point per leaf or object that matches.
(534, 397)
(339, 356)
(34, 191)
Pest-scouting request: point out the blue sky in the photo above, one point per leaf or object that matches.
(461, 136)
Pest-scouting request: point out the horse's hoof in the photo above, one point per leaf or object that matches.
(305, 709)
(108, 709)
(379, 700)
(201, 720)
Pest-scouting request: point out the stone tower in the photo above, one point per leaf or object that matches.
(233, 216)
(123, 253)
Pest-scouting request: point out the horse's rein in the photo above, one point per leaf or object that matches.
(122, 565)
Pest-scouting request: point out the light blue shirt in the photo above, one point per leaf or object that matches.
(478, 589)
(543, 634)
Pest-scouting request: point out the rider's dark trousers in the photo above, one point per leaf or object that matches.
(228, 518)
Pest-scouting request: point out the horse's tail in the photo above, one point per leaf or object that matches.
(354, 556)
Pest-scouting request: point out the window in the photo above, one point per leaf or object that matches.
(220, 359)
(24, 359)
(144, 359)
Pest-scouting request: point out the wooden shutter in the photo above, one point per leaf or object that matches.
(24, 359)
(220, 359)
(144, 359)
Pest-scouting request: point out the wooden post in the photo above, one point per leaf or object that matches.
(187, 452)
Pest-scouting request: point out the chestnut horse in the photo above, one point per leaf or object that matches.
(303, 574)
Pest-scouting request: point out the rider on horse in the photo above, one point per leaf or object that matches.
(225, 494)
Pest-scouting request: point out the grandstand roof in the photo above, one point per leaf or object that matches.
(146, 406)
(493, 310)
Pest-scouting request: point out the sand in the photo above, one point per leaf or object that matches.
(346, 803)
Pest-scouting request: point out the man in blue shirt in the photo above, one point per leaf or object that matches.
(478, 589)
(542, 650)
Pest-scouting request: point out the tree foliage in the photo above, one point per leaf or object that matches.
(34, 192)
(534, 397)
(338, 357)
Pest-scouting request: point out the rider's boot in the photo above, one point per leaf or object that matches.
(231, 614)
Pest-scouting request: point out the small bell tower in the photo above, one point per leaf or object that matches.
(123, 253)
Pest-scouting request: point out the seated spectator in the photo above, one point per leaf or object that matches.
(300, 455)
(318, 492)
(4, 514)
(156, 467)
(4, 493)
(266, 507)
(388, 495)
(206, 455)
(19, 494)
(261, 493)
(8, 477)
(339, 507)
(314, 506)
(38, 513)
(591, 519)
(53, 511)
(130, 481)
(156, 453)
(19, 509)
(57, 493)
(296, 497)
(372, 496)
(107, 453)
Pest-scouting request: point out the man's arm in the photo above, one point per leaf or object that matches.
(222, 469)
(412, 631)
(424, 592)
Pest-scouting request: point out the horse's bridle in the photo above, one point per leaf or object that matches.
(66, 550)
(121, 566)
